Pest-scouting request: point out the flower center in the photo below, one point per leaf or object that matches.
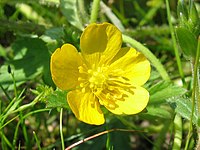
(94, 78)
(108, 86)
(97, 78)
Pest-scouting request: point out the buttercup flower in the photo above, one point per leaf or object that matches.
(102, 75)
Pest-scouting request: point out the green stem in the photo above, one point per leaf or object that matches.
(14, 83)
(37, 141)
(5, 92)
(197, 75)
(2, 126)
(95, 10)
(195, 90)
(24, 130)
(157, 64)
(61, 133)
(178, 60)
(177, 132)
(15, 135)
(108, 144)
(23, 107)
(5, 139)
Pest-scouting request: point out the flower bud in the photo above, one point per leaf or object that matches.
(188, 29)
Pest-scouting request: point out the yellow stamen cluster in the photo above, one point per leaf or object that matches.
(94, 78)
(107, 87)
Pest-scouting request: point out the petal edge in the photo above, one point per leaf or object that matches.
(64, 67)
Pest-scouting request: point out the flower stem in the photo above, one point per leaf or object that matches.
(95, 10)
(157, 64)
(23, 107)
(195, 92)
(178, 60)
(177, 132)
(37, 141)
(61, 133)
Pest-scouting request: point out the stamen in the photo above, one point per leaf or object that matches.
(81, 69)
(83, 90)
(91, 85)
(80, 79)
(106, 85)
(82, 84)
(90, 71)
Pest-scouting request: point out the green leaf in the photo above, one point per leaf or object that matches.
(70, 11)
(55, 33)
(31, 55)
(182, 12)
(194, 20)
(187, 41)
(57, 99)
(183, 106)
(31, 58)
(2, 51)
(6, 79)
(164, 90)
(158, 111)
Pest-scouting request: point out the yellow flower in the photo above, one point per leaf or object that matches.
(103, 74)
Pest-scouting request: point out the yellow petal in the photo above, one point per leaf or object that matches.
(86, 107)
(64, 67)
(131, 103)
(133, 65)
(104, 39)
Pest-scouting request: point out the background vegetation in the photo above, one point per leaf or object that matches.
(35, 115)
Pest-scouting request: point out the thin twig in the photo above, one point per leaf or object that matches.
(99, 134)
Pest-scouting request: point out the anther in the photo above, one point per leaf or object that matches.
(90, 71)
(81, 84)
(80, 79)
(83, 90)
(81, 69)
(91, 85)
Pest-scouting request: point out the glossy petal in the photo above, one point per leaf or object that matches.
(104, 39)
(64, 67)
(133, 65)
(86, 107)
(131, 103)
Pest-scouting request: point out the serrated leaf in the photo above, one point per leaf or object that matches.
(164, 90)
(70, 11)
(57, 99)
(183, 106)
